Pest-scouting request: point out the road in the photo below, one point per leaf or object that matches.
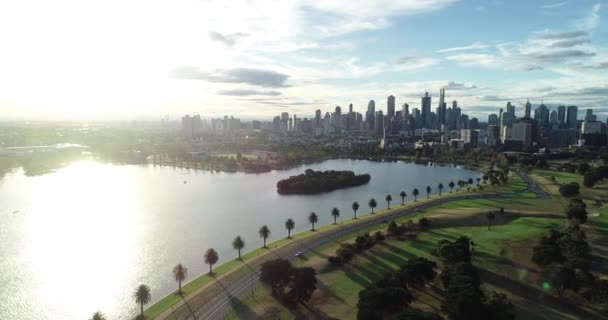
(218, 298)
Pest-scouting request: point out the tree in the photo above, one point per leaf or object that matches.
(478, 180)
(589, 179)
(470, 181)
(428, 191)
(313, 218)
(381, 303)
(460, 184)
(335, 213)
(415, 192)
(402, 194)
(440, 188)
(490, 216)
(289, 225)
(451, 185)
(355, 207)
(303, 283)
(179, 274)
(276, 273)
(569, 189)
(577, 210)
(264, 233)
(142, 297)
(388, 201)
(485, 178)
(418, 271)
(455, 251)
(372, 204)
(424, 223)
(211, 258)
(98, 316)
(238, 244)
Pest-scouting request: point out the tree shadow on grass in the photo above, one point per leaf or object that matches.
(538, 301)
(355, 275)
(240, 309)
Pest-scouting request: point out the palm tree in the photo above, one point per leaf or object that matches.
(372, 204)
(335, 212)
(460, 184)
(415, 192)
(142, 296)
(312, 218)
(211, 258)
(355, 208)
(440, 187)
(490, 217)
(179, 274)
(470, 181)
(388, 201)
(264, 233)
(289, 225)
(238, 244)
(451, 185)
(403, 195)
(428, 191)
(478, 180)
(98, 316)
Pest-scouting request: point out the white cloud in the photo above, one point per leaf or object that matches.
(592, 20)
(474, 46)
(554, 5)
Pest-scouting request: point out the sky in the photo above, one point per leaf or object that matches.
(144, 59)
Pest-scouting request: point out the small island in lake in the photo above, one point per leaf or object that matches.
(311, 182)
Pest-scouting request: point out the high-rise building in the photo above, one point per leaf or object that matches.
(553, 118)
(390, 106)
(426, 111)
(406, 110)
(561, 116)
(493, 120)
(379, 123)
(522, 131)
(191, 125)
(470, 136)
(510, 108)
(528, 110)
(541, 114)
(441, 108)
(589, 116)
(370, 114)
(493, 135)
(571, 117)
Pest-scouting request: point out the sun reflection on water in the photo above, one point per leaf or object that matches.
(82, 233)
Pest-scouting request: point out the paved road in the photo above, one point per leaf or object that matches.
(217, 299)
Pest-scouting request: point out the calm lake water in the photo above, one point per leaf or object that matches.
(82, 238)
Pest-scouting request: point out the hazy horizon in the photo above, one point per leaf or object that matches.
(137, 60)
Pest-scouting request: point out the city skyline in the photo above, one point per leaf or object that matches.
(257, 59)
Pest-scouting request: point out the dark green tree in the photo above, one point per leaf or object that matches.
(238, 244)
(402, 194)
(440, 188)
(355, 207)
(372, 204)
(428, 191)
(179, 274)
(388, 201)
(211, 258)
(335, 213)
(313, 218)
(451, 185)
(142, 297)
(264, 233)
(415, 193)
(289, 225)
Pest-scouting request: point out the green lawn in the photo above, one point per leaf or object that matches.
(560, 176)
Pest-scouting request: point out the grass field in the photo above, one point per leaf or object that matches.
(502, 253)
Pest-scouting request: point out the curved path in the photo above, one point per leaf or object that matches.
(217, 298)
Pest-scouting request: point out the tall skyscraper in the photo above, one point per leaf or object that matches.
(510, 108)
(528, 110)
(371, 113)
(406, 110)
(571, 117)
(390, 106)
(589, 116)
(426, 111)
(561, 116)
(553, 118)
(441, 109)
(541, 114)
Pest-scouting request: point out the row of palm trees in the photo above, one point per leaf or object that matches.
(180, 272)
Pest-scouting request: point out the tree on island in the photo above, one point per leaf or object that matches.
(289, 225)
(355, 207)
(238, 244)
(451, 185)
(335, 213)
(388, 201)
(211, 258)
(313, 218)
(415, 192)
(440, 188)
(179, 274)
(264, 233)
(403, 195)
(142, 297)
(372, 204)
(490, 216)
(428, 191)
(98, 316)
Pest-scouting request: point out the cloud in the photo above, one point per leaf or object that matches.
(561, 35)
(569, 43)
(599, 65)
(474, 46)
(475, 59)
(245, 92)
(452, 85)
(405, 60)
(554, 5)
(227, 40)
(592, 20)
(257, 77)
(559, 55)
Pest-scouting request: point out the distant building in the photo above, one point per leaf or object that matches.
(390, 106)
(571, 117)
(191, 125)
(522, 131)
(426, 111)
(471, 137)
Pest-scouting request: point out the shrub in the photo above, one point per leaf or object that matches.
(379, 236)
(569, 189)
(424, 223)
(335, 261)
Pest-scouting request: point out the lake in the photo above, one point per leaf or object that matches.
(81, 239)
